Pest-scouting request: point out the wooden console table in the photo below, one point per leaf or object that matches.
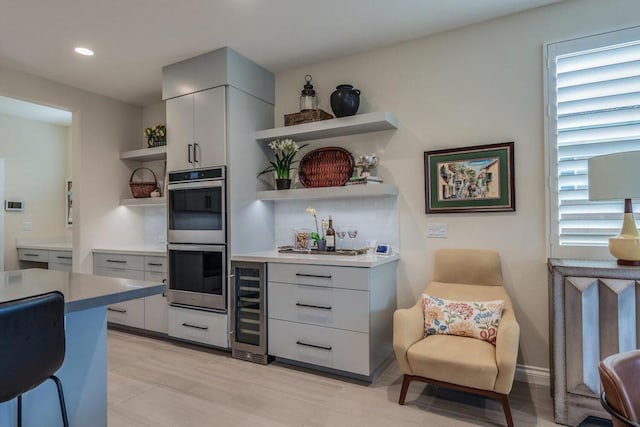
(592, 314)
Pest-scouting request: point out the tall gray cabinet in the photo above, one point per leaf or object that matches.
(197, 130)
(215, 103)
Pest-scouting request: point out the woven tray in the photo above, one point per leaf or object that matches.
(326, 167)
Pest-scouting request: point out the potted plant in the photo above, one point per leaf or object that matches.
(318, 238)
(156, 135)
(284, 151)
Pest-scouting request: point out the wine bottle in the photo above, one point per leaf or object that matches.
(331, 237)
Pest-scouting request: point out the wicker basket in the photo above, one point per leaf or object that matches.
(144, 188)
(326, 167)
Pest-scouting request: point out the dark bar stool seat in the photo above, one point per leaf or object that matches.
(620, 378)
(32, 346)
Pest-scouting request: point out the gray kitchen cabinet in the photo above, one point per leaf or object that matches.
(149, 313)
(60, 260)
(196, 130)
(156, 316)
(333, 318)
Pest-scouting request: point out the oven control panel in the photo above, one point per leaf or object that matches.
(196, 175)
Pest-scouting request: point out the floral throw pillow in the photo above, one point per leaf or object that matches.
(463, 318)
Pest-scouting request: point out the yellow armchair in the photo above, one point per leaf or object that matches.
(463, 363)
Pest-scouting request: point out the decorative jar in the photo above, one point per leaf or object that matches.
(301, 239)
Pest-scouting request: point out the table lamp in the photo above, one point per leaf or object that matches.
(614, 177)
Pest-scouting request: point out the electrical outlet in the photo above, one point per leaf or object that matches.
(437, 230)
(27, 226)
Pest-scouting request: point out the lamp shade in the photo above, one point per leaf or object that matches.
(615, 176)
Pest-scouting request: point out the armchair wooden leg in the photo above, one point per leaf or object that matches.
(406, 379)
(507, 409)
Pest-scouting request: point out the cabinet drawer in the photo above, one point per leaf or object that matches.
(119, 272)
(131, 262)
(334, 307)
(129, 313)
(332, 348)
(60, 266)
(199, 326)
(155, 263)
(38, 255)
(320, 275)
(60, 257)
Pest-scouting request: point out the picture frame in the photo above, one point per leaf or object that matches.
(470, 179)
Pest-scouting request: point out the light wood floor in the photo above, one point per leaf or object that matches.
(158, 383)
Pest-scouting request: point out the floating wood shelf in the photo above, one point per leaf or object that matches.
(145, 154)
(349, 191)
(146, 201)
(360, 123)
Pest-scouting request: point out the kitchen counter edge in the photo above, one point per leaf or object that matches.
(366, 261)
(132, 251)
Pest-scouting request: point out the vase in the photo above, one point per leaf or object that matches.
(322, 245)
(283, 184)
(345, 101)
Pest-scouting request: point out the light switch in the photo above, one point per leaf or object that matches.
(437, 230)
(27, 225)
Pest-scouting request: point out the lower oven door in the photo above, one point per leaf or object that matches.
(197, 276)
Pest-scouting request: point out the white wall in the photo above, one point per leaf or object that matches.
(477, 85)
(101, 128)
(36, 157)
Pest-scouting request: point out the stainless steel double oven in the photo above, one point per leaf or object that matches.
(198, 238)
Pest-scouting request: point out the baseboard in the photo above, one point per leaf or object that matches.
(533, 375)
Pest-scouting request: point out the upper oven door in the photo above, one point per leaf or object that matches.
(197, 212)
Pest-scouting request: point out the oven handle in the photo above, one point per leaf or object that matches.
(199, 184)
(197, 248)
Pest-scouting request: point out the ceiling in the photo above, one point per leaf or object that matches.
(133, 39)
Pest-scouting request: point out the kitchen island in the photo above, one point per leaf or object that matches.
(84, 371)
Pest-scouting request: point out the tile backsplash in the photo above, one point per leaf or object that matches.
(374, 218)
(155, 225)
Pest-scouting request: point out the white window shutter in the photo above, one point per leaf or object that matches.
(596, 110)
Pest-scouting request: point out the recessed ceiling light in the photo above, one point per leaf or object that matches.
(84, 51)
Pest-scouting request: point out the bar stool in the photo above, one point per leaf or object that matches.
(33, 346)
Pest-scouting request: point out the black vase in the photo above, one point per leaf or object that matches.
(345, 101)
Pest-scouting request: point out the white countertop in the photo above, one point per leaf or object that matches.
(49, 246)
(81, 291)
(305, 258)
(134, 250)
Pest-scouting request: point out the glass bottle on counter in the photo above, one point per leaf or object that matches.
(331, 237)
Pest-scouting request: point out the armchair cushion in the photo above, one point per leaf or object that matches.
(454, 359)
(463, 318)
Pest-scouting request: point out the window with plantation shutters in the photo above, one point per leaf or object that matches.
(593, 108)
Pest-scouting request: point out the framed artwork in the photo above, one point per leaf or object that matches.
(470, 179)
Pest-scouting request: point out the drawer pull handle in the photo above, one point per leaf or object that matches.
(31, 255)
(321, 307)
(321, 347)
(203, 328)
(63, 257)
(117, 261)
(313, 275)
(117, 310)
(155, 264)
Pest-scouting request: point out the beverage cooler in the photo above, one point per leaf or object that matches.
(249, 311)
